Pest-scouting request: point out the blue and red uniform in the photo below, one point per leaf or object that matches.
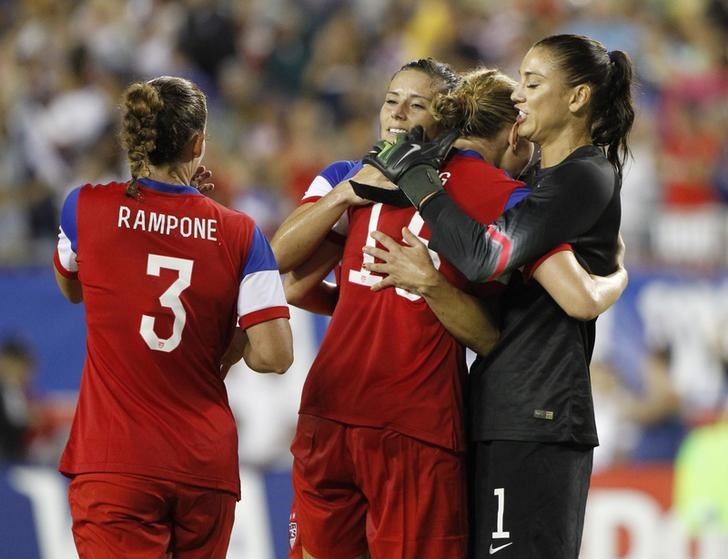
(388, 370)
(166, 278)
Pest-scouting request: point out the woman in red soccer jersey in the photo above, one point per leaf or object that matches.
(532, 419)
(152, 453)
(388, 378)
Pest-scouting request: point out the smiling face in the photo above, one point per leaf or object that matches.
(406, 104)
(544, 100)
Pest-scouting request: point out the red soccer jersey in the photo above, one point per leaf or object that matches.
(165, 279)
(386, 360)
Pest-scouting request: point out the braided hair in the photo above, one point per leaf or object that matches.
(158, 119)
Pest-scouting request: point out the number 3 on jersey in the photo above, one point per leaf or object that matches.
(170, 299)
(365, 277)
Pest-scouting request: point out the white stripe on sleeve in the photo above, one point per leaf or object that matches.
(66, 256)
(260, 290)
(318, 187)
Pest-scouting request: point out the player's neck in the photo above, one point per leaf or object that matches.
(168, 175)
(553, 153)
(485, 148)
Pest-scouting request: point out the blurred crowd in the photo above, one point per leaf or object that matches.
(293, 85)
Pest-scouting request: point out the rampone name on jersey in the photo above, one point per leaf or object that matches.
(166, 224)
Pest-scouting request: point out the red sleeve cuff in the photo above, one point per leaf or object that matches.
(309, 200)
(263, 315)
(529, 270)
(61, 270)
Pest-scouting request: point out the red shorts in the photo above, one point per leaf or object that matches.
(136, 517)
(361, 488)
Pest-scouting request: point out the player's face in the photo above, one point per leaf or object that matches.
(406, 104)
(542, 97)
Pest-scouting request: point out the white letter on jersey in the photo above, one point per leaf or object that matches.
(140, 220)
(124, 214)
(211, 229)
(172, 221)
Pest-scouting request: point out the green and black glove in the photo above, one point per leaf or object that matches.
(393, 197)
(413, 163)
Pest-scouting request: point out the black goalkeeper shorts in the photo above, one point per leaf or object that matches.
(528, 499)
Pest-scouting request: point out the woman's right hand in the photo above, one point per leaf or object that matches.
(366, 175)
(409, 266)
(200, 179)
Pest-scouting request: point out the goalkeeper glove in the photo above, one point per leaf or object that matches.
(412, 163)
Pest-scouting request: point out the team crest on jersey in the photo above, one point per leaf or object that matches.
(292, 530)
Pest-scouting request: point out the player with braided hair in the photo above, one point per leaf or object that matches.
(153, 134)
(152, 454)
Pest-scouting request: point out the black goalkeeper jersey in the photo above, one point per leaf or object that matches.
(534, 385)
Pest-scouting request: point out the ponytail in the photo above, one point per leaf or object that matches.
(614, 118)
(610, 74)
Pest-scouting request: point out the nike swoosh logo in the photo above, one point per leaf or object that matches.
(494, 550)
(413, 149)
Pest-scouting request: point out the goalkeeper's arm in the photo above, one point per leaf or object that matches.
(413, 164)
(560, 210)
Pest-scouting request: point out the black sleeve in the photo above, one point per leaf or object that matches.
(563, 206)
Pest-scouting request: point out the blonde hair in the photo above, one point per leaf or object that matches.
(479, 106)
(158, 119)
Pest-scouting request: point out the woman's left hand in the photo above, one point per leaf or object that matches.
(407, 266)
(199, 178)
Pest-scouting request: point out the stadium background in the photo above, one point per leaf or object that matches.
(295, 84)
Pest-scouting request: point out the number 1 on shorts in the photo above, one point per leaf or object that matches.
(500, 533)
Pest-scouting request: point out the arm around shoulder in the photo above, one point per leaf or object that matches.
(302, 232)
(467, 318)
(581, 295)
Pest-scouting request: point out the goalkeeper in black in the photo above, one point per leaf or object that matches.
(531, 412)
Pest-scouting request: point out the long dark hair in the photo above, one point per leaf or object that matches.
(610, 74)
(438, 71)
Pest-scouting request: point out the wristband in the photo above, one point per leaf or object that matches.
(420, 182)
(393, 197)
